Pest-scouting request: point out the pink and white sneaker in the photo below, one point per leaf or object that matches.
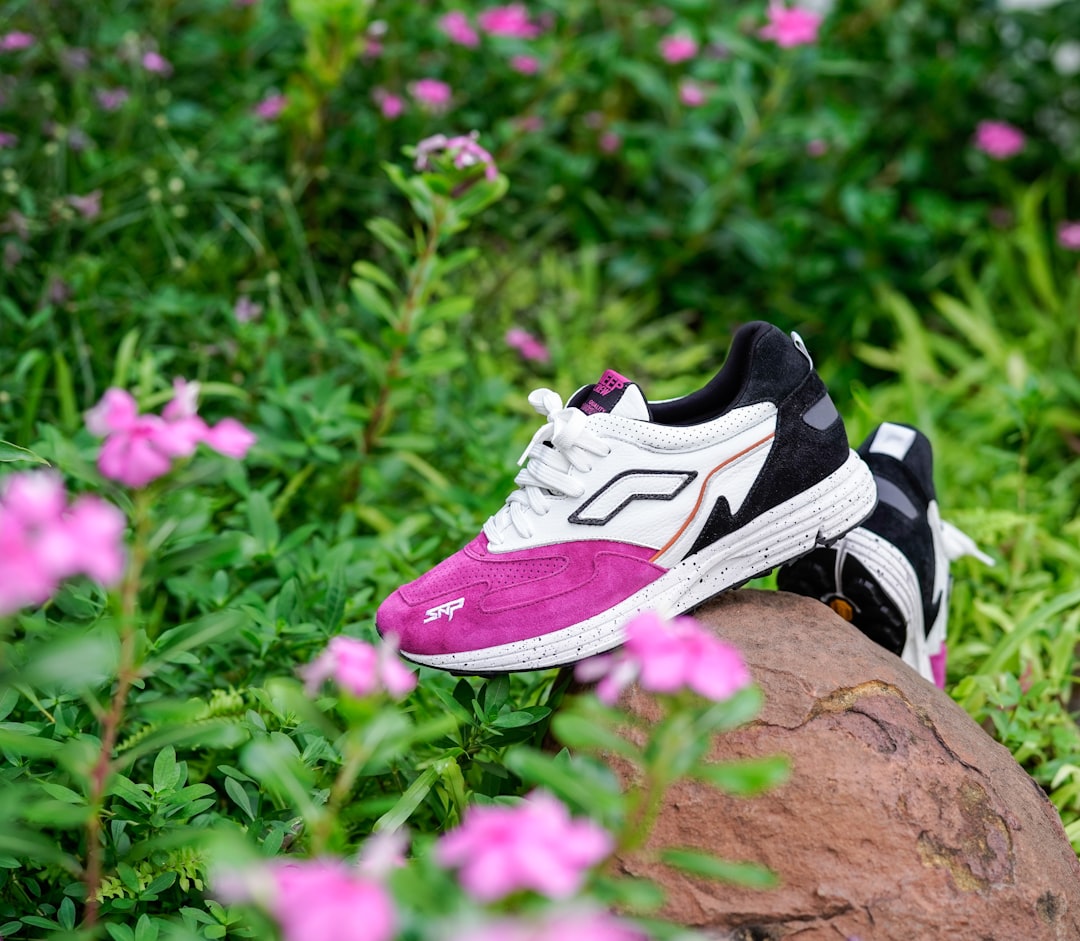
(627, 504)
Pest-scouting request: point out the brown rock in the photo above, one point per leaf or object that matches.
(903, 820)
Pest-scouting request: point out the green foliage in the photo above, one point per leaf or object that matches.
(389, 407)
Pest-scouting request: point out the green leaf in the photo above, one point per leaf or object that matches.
(746, 777)
(703, 864)
(12, 452)
(263, 525)
(335, 595)
(66, 914)
(414, 794)
(64, 794)
(166, 770)
(577, 731)
(493, 695)
(391, 236)
(240, 797)
(520, 718)
(566, 778)
(22, 844)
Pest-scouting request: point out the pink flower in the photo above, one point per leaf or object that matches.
(392, 106)
(246, 310)
(464, 151)
(155, 62)
(15, 42)
(43, 540)
(359, 668)
(511, 21)
(999, 139)
(527, 345)
(1068, 236)
(431, 94)
(791, 26)
(314, 899)
(88, 206)
(457, 28)
(610, 142)
(817, 147)
(692, 94)
(382, 853)
(665, 657)
(271, 107)
(141, 448)
(678, 48)
(565, 925)
(526, 65)
(112, 99)
(230, 438)
(8, 140)
(532, 845)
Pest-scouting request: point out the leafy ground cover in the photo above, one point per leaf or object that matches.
(218, 191)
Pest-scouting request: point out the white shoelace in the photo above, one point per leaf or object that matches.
(558, 448)
(958, 543)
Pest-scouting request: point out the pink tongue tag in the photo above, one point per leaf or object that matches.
(615, 394)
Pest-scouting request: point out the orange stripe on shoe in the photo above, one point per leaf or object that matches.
(701, 494)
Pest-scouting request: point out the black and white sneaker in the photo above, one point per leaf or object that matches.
(627, 504)
(890, 576)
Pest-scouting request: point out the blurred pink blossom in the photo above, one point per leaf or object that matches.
(246, 310)
(791, 26)
(692, 94)
(432, 94)
(511, 21)
(16, 41)
(527, 345)
(112, 99)
(999, 139)
(392, 106)
(88, 206)
(1068, 236)
(529, 123)
(666, 656)
(464, 151)
(230, 438)
(610, 142)
(314, 899)
(43, 540)
(565, 925)
(8, 140)
(271, 107)
(534, 845)
(457, 28)
(382, 853)
(140, 448)
(678, 47)
(155, 62)
(359, 668)
(817, 147)
(526, 65)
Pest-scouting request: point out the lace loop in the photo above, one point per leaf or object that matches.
(556, 451)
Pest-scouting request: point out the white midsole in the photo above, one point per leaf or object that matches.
(816, 516)
(894, 573)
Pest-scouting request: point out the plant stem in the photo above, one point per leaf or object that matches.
(416, 295)
(126, 675)
(355, 757)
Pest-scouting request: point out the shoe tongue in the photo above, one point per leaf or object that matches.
(613, 395)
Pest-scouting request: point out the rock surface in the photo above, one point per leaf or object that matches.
(903, 820)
